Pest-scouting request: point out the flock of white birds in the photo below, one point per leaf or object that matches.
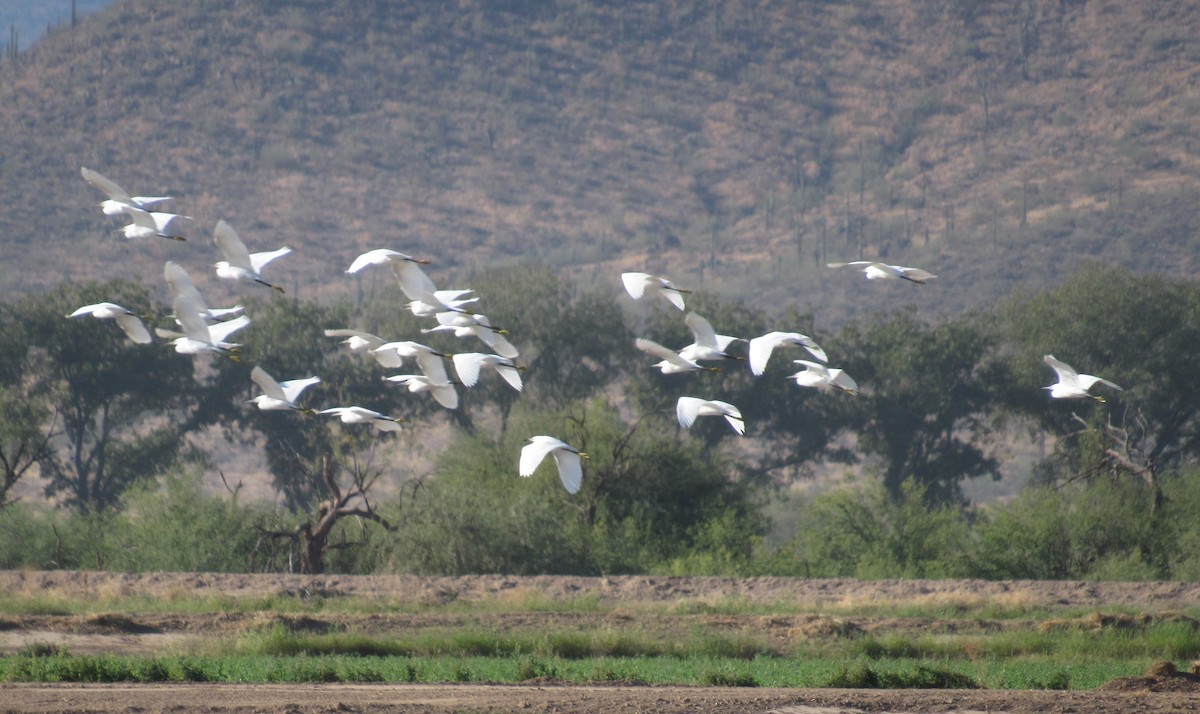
(205, 330)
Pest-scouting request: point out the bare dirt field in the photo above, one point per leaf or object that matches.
(158, 632)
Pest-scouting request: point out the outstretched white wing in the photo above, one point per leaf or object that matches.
(292, 388)
(653, 348)
(267, 384)
(231, 246)
(258, 261)
(105, 184)
(702, 330)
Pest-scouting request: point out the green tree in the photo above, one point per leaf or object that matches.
(119, 405)
(924, 400)
(286, 338)
(647, 498)
(1140, 331)
(872, 533)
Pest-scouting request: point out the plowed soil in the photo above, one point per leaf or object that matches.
(1159, 692)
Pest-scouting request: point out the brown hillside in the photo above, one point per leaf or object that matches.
(733, 145)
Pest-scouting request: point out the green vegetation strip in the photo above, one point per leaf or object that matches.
(765, 672)
(1059, 657)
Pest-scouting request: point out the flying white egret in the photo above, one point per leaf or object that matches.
(198, 336)
(181, 284)
(435, 380)
(1071, 384)
(126, 319)
(762, 347)
(153, 224)
(117, 196)
(240, 264)
(567, 457)
(407, 269)
(430, 304)
(882, 271)
(394, 353)
(280, 396)
(823, 378)
(707, 344)
(688, 408)
(362, 415)
(467, 365)
(672, 362)
(636, 284)
(361, 342)
(477, 325)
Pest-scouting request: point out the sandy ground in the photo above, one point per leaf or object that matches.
(156, 632)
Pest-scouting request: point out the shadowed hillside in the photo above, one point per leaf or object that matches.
(733, 145)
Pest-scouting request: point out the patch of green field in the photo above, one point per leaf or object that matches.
(713, 671)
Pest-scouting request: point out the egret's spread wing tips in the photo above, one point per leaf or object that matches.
(231, 245)
(635, 284)
(388, 358)
(258, 261)
(105, 184)
(189, 316)
(702, 330)
(686, 410)
(1065, 372)
(674, 297)
(267, 383)
(760, 352)
(467, 364)
(413, 281)
(653, 348)
(293, 388)
(134, 329)
(221, 330)
(446, 395)
(511, 375)
(531, 456)
(738, 424)
(432, 367)
(503, 347)
(570, 470)
(840, 379)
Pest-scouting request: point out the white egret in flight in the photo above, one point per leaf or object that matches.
(823, 378)
(117, 196)
(762, 347)
(280, 396)
(435, 380)
(407, 269)
(567, 457)
(1071, 384)
(361, 342)
(468, 364)
(126, 319)
(707, 344)
(362, 415)
(688, 408)
(181, 284)
(153, 224)
(198, 336)
(672, 362)
(477, 325)
(636, 284)
(875, 270)
(239, 263)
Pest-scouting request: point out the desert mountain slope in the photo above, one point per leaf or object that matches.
(736, 146)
